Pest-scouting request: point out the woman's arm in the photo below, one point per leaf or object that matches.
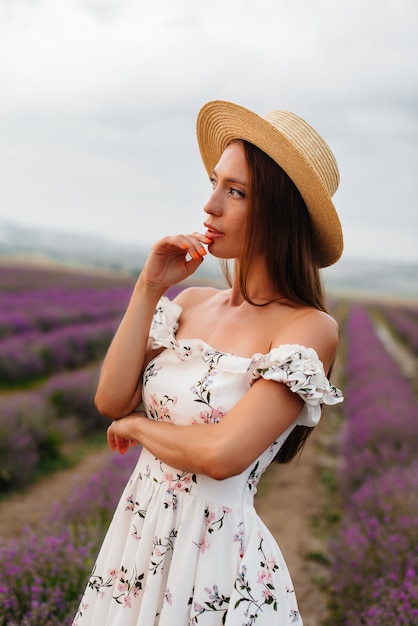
(217, 450)
(119, 389)
(255, 422)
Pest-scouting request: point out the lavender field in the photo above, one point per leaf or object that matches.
(54, 331)
(55, 327)
(375, 552)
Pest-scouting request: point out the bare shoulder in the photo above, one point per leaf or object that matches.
(311, 328)
(192, 296)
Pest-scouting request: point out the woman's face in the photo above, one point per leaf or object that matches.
(228, 204)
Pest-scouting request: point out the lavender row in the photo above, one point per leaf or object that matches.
(374, 574)
(44, 310)
(380, 405)
(34, 425)
(375, 562)
(42, 574)
(405, 323)
(34, 355)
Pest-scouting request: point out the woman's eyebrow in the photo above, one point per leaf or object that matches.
(231, 179)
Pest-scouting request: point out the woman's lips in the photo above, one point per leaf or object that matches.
(212, 233)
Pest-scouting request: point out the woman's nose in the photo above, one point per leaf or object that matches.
(213, 205)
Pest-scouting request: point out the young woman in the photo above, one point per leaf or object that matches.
(230, 380)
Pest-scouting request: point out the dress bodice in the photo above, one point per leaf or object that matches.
(192, 383)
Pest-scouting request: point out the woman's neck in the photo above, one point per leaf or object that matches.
(259, 287)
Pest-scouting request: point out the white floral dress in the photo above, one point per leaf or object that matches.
(184, 549)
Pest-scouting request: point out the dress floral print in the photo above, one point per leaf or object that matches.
(184, 549)
(202, 390)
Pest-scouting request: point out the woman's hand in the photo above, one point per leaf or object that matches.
(121, 432)
(167, 262)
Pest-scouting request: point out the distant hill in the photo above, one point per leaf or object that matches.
(375, 278)
(68, 248)
(348, 276)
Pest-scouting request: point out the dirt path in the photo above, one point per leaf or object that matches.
(406, 360)
(34, 504)
(288, 496)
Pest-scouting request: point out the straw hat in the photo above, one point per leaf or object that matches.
(295, 146)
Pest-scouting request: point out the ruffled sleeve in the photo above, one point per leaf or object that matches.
(165, 324)
(300, 369)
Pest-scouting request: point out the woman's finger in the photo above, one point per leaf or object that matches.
(194, 244)
(116, 442)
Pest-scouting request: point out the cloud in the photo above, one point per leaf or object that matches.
(99, 99)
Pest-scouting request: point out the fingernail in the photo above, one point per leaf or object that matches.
(185, 246)
(196, 255)
(202, 251)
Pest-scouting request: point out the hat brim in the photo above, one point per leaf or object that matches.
(220, 122)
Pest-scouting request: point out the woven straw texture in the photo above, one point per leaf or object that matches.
(295, 146)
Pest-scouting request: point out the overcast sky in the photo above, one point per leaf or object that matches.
(98, 102)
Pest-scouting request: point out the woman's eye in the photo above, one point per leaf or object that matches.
(212, 182)
(236, 193)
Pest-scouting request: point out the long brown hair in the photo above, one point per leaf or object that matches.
(279, 227)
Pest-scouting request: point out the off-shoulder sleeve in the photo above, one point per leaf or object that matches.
(301, 370)
(165, 324)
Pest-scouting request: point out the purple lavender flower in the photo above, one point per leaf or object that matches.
(375, 557)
